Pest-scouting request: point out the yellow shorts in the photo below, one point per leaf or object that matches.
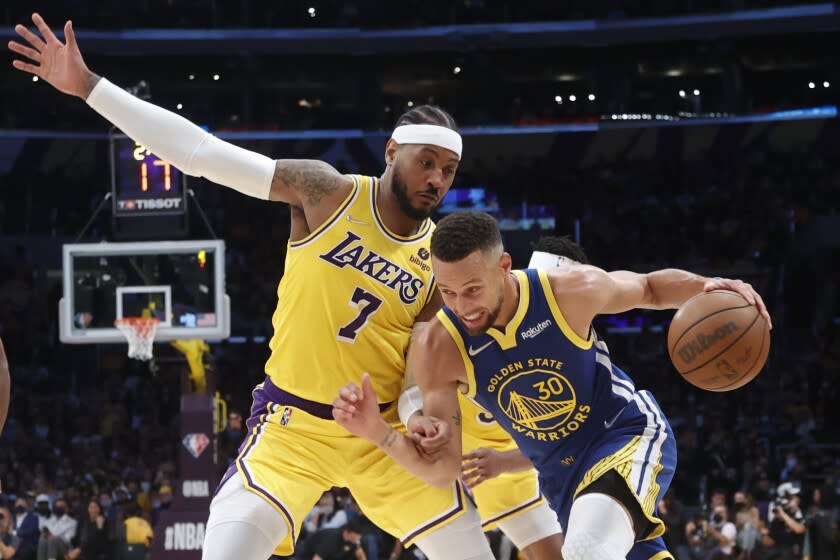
(507, 495)
(291, 456)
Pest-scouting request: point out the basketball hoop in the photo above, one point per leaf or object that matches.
(140, 332)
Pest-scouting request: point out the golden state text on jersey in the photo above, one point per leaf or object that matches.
(552, 390)
(348, 301)
(572, 412)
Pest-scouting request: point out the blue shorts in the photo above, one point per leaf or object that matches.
(640, 447)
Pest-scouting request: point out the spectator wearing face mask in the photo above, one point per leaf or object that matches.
(27, 528)
(42, 508)
(747, 523)
(724, 532)
(57, 533)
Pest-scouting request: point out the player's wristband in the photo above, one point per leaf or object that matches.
(411, 401)
(176, 140)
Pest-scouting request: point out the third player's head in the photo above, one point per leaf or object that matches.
(422, 157)
(471, 267)
(554, 251)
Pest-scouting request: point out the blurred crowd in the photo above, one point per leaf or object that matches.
(87, 457)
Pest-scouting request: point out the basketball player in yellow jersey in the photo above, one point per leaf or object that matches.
(357, 278)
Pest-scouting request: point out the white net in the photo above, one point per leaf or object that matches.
(140, 333)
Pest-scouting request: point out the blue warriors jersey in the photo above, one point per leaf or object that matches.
(569, 409)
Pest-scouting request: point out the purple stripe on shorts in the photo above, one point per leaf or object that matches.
(259, 489)
(458, 507)
(514, 511)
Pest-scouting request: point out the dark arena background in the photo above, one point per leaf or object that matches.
(688, 134)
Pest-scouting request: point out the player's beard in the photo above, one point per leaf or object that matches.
(492, 315)
(400, 190)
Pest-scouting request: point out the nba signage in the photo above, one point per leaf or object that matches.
(197, 456)
(179, 532)
(179, 535)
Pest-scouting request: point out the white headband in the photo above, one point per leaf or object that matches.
(540, 259)
(428, 134)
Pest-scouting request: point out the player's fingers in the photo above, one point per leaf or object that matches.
(439, 438)
(42, 26)
(424, 427)
(471, 465)
(746, 291)
(26, 67)
(474, 454)
(342, 404)
(69, 35)
(762, 308)
(475, 480)
(340, 416)
(349, 393)
(367, 387)
(31, 38)
(25, 51)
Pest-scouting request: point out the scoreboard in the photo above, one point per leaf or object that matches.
(143, 184)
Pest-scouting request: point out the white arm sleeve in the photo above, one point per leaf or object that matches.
(183, 144)
(411, 401)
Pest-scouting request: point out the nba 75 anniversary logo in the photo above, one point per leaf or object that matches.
(196, 443)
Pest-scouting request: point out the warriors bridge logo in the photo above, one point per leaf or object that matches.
(539, 401)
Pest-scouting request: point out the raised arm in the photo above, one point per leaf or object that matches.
(314, 186)
(585, 291)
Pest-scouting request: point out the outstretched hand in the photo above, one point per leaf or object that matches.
(745, 290)
(355, 408)
(479, 465)
(59, 64)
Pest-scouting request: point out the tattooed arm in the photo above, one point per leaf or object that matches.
(313, 188)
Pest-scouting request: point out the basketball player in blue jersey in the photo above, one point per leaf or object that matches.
(503, 481)
(357, 277)
(521, 344)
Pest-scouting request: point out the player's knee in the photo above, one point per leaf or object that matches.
(234, 506)
(588, 545)
(462, 539)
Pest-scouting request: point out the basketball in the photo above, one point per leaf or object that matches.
(718, 341)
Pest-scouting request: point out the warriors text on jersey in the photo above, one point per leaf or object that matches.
(570, 410)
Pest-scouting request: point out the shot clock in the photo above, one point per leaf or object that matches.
(143, 184)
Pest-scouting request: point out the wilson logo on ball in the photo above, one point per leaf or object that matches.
(693, 348)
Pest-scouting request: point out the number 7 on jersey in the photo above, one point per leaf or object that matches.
(367, 304)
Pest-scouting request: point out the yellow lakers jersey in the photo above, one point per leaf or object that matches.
(480, 429)
(348, 300)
